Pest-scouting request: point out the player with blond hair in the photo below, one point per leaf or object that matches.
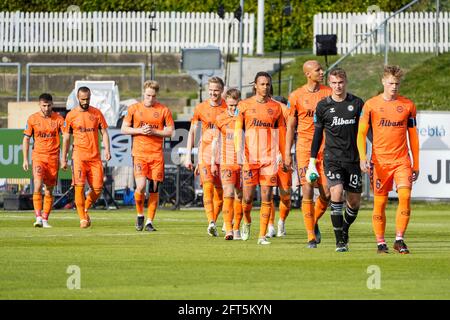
(149, 122)
(392, 119)
(44, 127)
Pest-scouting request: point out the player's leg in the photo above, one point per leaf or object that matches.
(228, 209)
(322, 201)
(218, 198)
(307, 205)
(353, 188)
(250, 179)
(271, 232)
(152, 205)
(37, 195)
(50, 178)
(285, 183)
(140, 171)
(267, 181)
(95, 179)
(382, 180)
(402, 178)
(207, 181)
(238, 214)
(79, 179)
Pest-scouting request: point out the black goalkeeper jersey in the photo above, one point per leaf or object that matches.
(339, 120)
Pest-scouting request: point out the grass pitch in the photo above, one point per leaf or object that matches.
(180, 261)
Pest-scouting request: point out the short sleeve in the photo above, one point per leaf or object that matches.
(129, 115)
(365, 113)
(292, 107)
(28, 129)
(318, 116)
(196, 116)
(102, 124)
(66, 128)
(168, 119)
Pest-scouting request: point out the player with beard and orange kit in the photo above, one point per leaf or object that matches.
(230, 170)
(302, 105)
(84, 122)
(44, 127)
(261, 133)
(392, 119)
(206, 112)
(149, 122)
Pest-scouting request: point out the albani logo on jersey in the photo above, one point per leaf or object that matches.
(388, 123)
(82, 129)
(310, 113)
(342, 122)
(41, 134)
(260, 123)
(151, 126)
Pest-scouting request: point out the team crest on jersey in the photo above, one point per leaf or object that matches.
(53, 124)
(92, 118)
(252, 110)
(399, 109)
(350, 108)
(270, 112)
(156, 115)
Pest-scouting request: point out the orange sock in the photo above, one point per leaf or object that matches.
(379, 217)
(403, 212)
(48, 202)
(139, 198)
(228, 212)
(92, 197)
(247, 209)
(272, 213)
(285, 206)
(218, 201)
(152, 205)
(320, 208)
(308, 218)
(208, 195)
(79, 202)
(237, 209)
(264, 216)
(37, 203)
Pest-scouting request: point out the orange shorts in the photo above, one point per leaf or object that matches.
(92, 170)
(150, 169)
(231, 175)
(382, 176)
(262, 174)
(284, 178)
(302, 167)
(207, 176)
(46, 170)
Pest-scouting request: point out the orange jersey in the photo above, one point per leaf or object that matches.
(157, 117)
(84, 126)
(45, 132)
(225, 125)
(389, 122)
(302, 105)
(207, 114)
(260, 120)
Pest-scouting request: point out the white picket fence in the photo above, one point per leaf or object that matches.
(407, 32)
(116, 32)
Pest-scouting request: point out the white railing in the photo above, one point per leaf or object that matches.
(407, 32)
(116, 32)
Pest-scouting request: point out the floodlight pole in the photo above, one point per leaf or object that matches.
(240, 44)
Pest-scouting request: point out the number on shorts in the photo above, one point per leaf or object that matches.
(355, 180)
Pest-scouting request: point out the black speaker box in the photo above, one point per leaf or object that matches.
(18, 202)
(326, 45)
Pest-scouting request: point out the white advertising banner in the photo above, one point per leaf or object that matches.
(120, 149)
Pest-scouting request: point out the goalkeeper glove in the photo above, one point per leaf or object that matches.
(311, 174)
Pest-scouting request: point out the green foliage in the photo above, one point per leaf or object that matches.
(297, 28)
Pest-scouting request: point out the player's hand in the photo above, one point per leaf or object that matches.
(197, 170)
(146, 129)
(288, 161)
(107, 155)
(279, 159)
(188, 163)
(25, 165)
(214, 170)
(64, 164)
(415, 175)
(364, 165)
(312, 174)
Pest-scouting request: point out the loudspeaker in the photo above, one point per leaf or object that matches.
(326, 45)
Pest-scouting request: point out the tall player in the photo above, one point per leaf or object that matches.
(44, 127)
(206, 113)
(392, 119)
(84, 122)
(230, 170)
(338, 116)
(149, 122)
(303, 102)
(261, 119)
(284, 183)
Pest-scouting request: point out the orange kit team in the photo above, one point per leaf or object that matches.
(302, 105)
(230, 170)
(284, 183)
(392, 119)
(261, 121)
(149, 122)
(84, 122)
(44, 127)
(206, 113)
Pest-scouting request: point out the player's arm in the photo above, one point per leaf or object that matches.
(25, 150)
(165, 133)
(312, 174)
(363, 129)
(127, 128)
(290, 132)
(214, 146)
(414, 146)
(106, 144)
(282, 136)
(238, 137)
(190, 144)
(65, 150)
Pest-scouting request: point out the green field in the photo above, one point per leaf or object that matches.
(180, 261)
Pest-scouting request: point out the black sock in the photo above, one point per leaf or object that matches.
(337, 219)
(349, 217)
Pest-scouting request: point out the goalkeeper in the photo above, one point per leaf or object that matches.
(338, 115)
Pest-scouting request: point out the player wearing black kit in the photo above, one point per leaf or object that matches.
(338, 115)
